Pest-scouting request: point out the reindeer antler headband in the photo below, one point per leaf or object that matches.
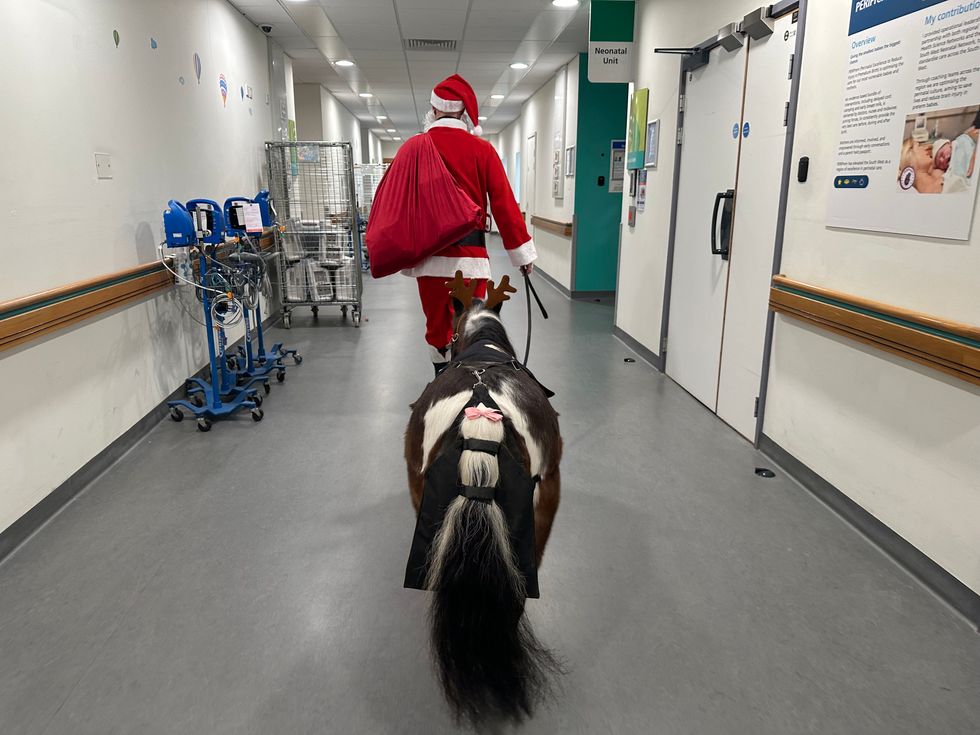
(463, 291)
(499, 295)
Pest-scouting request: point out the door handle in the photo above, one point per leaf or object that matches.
(728, 197)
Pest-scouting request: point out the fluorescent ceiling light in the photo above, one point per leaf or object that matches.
(481, 117)
(497, 96)
(382, 117)
(564, 3)
(518, 65)
(344, 62)
(396, 138)
(365, 95)
(392, 130)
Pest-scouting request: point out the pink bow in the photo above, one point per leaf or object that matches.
(483, 412)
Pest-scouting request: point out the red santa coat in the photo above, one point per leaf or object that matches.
(477, 170)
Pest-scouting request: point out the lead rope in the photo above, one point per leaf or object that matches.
(544, 313)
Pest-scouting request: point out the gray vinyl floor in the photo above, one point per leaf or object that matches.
(249, 580)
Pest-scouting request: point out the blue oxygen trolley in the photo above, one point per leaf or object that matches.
(201, 225)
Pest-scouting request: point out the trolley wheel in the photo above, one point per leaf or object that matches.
(197, 400)
(266, 387)
(232, 363)
(316, 311)
(297, 359)
(343, 311)
(287, 320)
(281, 375)
(257, 414)
(257, 399)
(204, 424)
(176, 414)
(357, 318)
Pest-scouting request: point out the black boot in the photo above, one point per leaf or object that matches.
(439, 367)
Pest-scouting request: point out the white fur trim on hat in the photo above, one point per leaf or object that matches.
(445, 105)
(478, 130)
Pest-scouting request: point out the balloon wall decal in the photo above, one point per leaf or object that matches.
(153, 42)
(115, 37)
(197, 67)
(243, 92)
(181, 80)
(223, 86)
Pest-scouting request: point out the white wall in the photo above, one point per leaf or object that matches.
(389, 148)
(309, 117)
(321, 116)
(372, 145)
(537, 118)
(643, 249)
(900, 440)
(75, 93)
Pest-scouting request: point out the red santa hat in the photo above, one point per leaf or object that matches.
(454, 94)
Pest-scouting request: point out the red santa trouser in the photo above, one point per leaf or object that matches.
(437, 305)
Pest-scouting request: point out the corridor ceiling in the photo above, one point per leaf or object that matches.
(486, 37)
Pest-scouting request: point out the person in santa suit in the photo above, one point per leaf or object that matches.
(477, 170)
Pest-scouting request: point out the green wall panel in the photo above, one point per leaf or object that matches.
(601, 119)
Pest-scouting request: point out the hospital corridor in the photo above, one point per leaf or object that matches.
(491, 366)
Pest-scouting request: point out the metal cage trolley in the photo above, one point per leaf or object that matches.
(367, 176)
(313, 192)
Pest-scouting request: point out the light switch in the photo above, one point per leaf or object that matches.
(103, 165)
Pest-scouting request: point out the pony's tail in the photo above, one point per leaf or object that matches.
(489, 661)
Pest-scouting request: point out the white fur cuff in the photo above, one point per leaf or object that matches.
(523, 255)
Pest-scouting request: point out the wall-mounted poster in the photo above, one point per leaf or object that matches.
(570, 161)
(617, 166)
(653, 144)
(908, 142)
(557, 192)
(636, 129)
(558, 131)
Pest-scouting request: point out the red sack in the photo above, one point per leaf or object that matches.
(418, 210)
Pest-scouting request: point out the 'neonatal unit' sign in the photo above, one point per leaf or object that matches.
(611, 41)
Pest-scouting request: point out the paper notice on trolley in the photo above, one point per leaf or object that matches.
(906, 158)
(253, 218)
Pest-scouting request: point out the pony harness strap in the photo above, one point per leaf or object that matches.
(514, 493)
(484, 353)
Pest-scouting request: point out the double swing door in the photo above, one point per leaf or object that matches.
(727, 205)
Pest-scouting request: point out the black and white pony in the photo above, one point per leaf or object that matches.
(483, 448)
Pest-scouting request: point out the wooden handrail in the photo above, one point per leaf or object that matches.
(29, 317)
(549, 225)
(916, 317)
(73, 289)
(948, 346)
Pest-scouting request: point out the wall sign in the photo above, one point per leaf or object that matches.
(611, 41)
(636, 129)
(908, 134)
(650, 154)
(617, 166)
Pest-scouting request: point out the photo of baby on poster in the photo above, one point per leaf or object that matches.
(939, 151)
(910, 119)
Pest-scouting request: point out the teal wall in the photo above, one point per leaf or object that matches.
(601, 119)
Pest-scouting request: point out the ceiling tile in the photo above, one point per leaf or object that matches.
(311, 19)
